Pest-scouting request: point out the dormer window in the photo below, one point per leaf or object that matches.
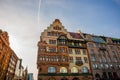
(62, 40)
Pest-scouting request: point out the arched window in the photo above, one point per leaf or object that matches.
(63, 70)
(74, 70)
(51, 69)
(97, 76)
(84, 69)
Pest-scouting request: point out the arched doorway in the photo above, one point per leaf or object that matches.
(51, 78)
(97, 76)
(64, 78)
(115, 75)
(104, 76)
(75, 78)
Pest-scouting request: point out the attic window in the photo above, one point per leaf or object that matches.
(56, 28)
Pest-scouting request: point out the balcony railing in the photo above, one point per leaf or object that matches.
(66, 74)
(77, 46)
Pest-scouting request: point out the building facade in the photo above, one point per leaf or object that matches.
(62, 55)
(12, 66)
(5, 52)
(104, 55)
(20, 73)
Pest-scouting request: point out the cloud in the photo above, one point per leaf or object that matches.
(19, 19)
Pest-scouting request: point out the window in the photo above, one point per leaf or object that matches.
(96, 66)
(107, 66)
(57, 28)
(46, 58)
(93, 57)
(52, 41)
(84, 69)
(91, 45)
(109, 59)
(41, 58)
(76, 44)
(71, 59)
(64, 58)
(52, 49)
(63, 70)
(77, 51)
(100, 59)
(74, 70)
(55, 58)
(101, 66)
(0, 44)
(111, 47)
(62, 50)
(113, 52)
(93, 66)
(78, 59)
(111, 66)
(43, 49)
(115, 59)
(92, 51)
(70, 51)
(48, 34)
(52, 33)
(97, 45)
(85, 60)
(51, 70)
(84, 52)
(104, 59)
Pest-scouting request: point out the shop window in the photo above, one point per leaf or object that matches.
(51, 69)
(74, 70)
(84, 69)
(63, 70)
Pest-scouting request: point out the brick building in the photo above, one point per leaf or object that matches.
(11, 66)
(5, 52)
(104, 55)
(62, 55)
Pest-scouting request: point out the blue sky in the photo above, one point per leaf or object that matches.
(99, 17)
(24, 20)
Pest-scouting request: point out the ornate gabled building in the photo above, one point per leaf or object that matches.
(62, 55)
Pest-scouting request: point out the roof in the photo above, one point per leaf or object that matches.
(98, 39)
(75, 35)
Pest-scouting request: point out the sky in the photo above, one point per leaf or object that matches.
(24, 20)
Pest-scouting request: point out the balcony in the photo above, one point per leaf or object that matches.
(102, 48)
(79, 63)
(77, 46)
(64, 63)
